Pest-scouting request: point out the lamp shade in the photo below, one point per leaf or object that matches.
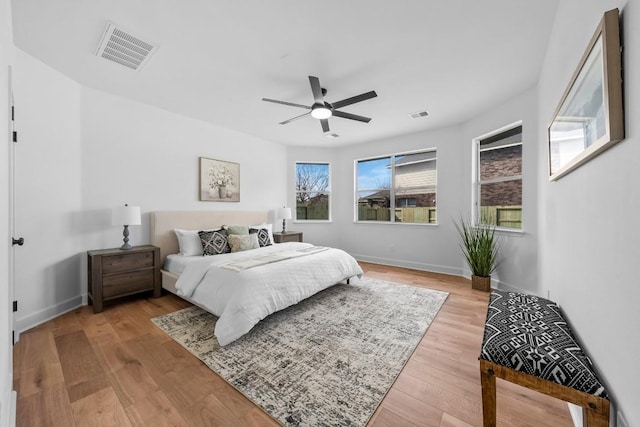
(284, 213)
(126, 215)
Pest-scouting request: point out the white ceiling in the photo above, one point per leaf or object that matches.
(217, 59)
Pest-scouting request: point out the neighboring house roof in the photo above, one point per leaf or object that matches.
(320, 198)
(378, 195)
(416, 158)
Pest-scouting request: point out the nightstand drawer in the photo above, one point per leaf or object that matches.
(287, 236)
(115, 273)
(127, 283)
(126, 262)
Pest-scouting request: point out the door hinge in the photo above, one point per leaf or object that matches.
(13, 115)
(15, 136)
(13, 337)
(15, 306)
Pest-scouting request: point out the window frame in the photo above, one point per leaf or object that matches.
(392, 189)
(477, 182)
(295, 218)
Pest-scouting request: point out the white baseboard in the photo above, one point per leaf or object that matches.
(462, 272)
(13, 410)
(409, 264)
(506, 287)
(8, 408)
(34, 319)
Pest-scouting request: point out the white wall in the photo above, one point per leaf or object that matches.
(6, 365)
(588, 219)
(82, 152)
(48, 184)
(425, 247)
(148, 157)
(518, 269)
(432, 247)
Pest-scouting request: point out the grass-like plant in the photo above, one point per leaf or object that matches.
(479, 246)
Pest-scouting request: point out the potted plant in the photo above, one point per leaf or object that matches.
(480, 249)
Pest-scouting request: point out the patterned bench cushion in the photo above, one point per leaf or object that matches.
(529, 334)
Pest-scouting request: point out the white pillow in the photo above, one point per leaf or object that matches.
(189, 242)
(243, 242)
(268, 227)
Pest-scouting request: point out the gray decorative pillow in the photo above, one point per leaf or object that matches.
(243, 242)
(236, 229)
(263, 236)
(214, 242)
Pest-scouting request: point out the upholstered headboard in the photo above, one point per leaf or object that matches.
(163, 224)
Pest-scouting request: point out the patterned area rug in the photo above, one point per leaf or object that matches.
(329, 360)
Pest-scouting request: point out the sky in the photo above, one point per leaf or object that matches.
(373, 174)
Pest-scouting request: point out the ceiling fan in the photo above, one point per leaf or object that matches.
(322, 110)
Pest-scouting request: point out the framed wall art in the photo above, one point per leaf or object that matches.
(219, 181)
(590, 117)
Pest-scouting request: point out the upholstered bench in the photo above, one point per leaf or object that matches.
(528, 342)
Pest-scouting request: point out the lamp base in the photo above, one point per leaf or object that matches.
(284, 226)
(125, 238)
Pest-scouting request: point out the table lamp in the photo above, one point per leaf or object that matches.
(126, 215)
(284, 214)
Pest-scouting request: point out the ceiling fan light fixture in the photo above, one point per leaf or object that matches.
(321, 112)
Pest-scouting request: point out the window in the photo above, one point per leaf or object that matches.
(498, 186)
(313, 191)
(403, 184)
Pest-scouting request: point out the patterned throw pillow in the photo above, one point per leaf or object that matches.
(243, 242)
(214, 242)
(263, 236)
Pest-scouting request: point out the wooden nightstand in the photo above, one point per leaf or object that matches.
(114, 273)
(287, 236)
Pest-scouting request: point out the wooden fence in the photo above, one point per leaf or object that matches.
(416, 215)
(411, 215)
(319, 212)
(367, 213)
(502, 216)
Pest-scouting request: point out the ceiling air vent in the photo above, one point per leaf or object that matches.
(121, 46)
(419, 114)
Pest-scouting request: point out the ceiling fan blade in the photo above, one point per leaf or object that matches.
(351, 116)
(325, 125)
(301, 116)
(354, 99)
(306, 107)
(316, 90)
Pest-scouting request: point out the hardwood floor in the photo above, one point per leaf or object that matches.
(116, 368)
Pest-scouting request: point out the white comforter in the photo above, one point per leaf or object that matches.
(242, 298)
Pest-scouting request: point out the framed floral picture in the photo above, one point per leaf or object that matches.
(219, 181)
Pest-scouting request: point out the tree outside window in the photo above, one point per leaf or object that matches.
(313, 191)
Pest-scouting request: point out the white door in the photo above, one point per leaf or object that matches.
(16, 242)
(7, 396)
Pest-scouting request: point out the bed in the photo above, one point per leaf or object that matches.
(242, 288)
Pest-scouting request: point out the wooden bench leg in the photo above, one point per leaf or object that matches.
(596, 418)
(488, 379)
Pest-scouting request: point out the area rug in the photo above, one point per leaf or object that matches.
(327, 361)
